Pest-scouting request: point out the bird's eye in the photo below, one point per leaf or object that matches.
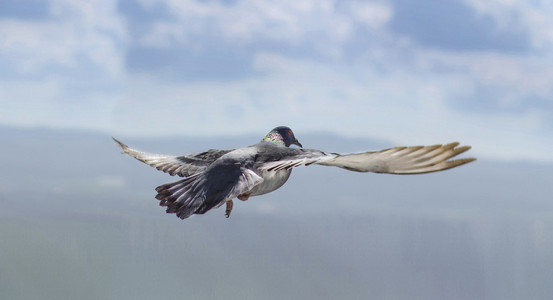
(289, 132)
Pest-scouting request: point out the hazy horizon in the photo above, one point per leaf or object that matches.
(79, 220)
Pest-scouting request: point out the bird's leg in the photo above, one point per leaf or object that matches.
(229, 208)
(244, 197)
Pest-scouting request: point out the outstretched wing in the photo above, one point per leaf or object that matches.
(397, 160)
(175, 165)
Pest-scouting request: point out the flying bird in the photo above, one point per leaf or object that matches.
(216, 177)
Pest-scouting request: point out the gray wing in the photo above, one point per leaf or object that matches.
(175, 165)
(397, 160)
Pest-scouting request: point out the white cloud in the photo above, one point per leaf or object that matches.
(392, 90)
(62, 71)
(525, 75)
(74, 31)
(292, 23)
(530, 75)
(372, 14)
(310, 96)
(162, 34)
(31, 46)
(534, 16)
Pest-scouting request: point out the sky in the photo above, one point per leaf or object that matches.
(409, 72)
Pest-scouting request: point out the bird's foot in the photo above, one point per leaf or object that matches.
(244, 197)
(229, 208)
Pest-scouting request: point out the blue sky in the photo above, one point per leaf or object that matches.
(411, 72)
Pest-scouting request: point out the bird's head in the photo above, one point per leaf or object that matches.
(282, 135)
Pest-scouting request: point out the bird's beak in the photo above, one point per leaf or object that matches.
(296, 142)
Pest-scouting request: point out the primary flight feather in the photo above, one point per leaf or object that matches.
(215, 177)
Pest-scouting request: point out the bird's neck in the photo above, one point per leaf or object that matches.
(274, 137)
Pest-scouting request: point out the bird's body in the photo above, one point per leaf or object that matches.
(216, 177)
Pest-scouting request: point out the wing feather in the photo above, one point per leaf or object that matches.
(396, 160)
(175, 165)
(403, 160)
(295, 158)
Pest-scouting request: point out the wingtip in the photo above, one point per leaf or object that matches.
(456, 151)
(460, 161)
(451, 145)
(470, 159)
(121, 144)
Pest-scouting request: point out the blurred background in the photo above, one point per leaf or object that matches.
(79, 221)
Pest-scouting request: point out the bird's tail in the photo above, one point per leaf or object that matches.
(203, 191)
(185, 197)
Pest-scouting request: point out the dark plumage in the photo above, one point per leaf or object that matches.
(215, 177)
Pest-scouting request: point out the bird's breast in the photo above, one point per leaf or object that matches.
(271, 181)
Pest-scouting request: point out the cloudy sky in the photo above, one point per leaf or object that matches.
(410, 72)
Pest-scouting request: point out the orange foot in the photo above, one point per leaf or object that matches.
(229, 208)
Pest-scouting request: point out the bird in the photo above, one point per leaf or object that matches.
(216, 177)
